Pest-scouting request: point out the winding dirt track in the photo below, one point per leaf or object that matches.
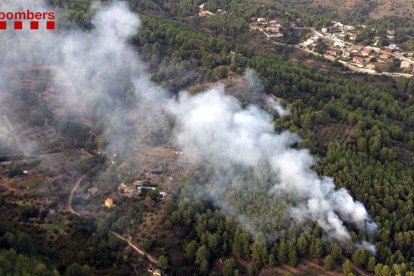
(140, 251)
(72, 192)
(136, 248)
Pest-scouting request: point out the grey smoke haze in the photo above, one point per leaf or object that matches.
(107, 81)
(104, 67)
(215, 128)
(275, 106)
(253, 80)
(256, 86)
(367, 246)
(97, 73)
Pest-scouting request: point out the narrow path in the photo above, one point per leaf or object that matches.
(72, 192)
(136, 248)
(140, 251)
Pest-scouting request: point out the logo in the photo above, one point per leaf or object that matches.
(27, 20)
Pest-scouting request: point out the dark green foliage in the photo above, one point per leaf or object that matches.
(360, 257)
(369, 153)
(328, 262)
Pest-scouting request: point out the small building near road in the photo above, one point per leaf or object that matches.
(359, 61)
(407, 65)
(157, 272)
(366, 52)
(370, 66)
(333, 52)
(385, 57)
(109, 203)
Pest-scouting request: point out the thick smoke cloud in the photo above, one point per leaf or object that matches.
(216, 129)
(111, 79)
(97, 74)
(244, 158)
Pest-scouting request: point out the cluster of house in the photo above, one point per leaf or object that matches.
(203, 12)
(339, 41)
(136, 188)
(133, 190)
(270, 27)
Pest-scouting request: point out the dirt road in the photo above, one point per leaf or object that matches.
(72, 192)
(136, 248)
(140, 251)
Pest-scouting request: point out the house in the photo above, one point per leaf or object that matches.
(272, 29)
(375, 49)
(370, 66)
(406, 64)
(139, 183)
(130, 190)
(274, 22)
(324, 30)
(393, 47)
(205, 13)
(339, 44)
(333, 52)
(349, 27)
(109, 202)
(157, 272)
(308, 42)
(360, 61)
(355, 49)
(261, 20)
(366, 52)
(385, 57)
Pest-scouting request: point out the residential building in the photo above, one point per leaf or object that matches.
(370, 66)
(109, 202)
(407, 64)
(359, 61)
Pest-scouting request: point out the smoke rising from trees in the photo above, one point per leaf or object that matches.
(245, 159)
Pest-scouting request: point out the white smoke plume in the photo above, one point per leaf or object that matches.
(105, 67)
(367, 246)
(256, 87)
(271, 180)
(220, 132)
(275, 105)
(253, 80)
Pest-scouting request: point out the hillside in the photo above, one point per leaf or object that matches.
(188, 137)
(376, 8)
